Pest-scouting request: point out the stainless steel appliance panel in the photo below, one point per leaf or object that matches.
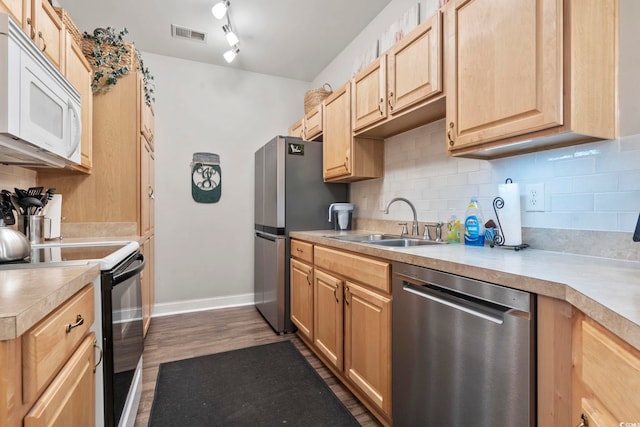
(290, 195)
(269, 274)
(463, 351)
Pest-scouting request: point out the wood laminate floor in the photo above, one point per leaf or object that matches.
(196, 334)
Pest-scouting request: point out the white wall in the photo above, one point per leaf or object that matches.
(205, 251)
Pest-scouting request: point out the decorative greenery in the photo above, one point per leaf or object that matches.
(110, 59)
(147, 78)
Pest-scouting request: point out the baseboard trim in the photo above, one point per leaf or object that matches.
(194, 305)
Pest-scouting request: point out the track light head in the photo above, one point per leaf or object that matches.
(231, 54)
(232, 39)
(220, 9)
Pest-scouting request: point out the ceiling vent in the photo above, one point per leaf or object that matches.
(187, 33)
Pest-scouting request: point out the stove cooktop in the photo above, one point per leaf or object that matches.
(107, 254)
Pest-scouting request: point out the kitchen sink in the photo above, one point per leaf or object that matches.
(386, 240)
(405, 242)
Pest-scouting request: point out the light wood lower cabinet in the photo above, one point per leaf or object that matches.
(47, 375)
(301, 297)
(147, 279)
(327, 316)
(345, 318)
(606, 377)
(69, 400)
(367, 343)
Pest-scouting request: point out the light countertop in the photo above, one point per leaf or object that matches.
(608, 290)
(28, 295)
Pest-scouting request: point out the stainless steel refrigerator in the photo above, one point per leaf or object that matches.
(290, 195)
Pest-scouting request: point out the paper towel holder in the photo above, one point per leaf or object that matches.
(499, 239)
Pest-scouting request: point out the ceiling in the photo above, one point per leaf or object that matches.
(287, 38)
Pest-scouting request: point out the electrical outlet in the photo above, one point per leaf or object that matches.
(534, 197)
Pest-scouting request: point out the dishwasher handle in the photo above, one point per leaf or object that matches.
(474, 306)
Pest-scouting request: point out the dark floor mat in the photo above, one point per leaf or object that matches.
(267, 385)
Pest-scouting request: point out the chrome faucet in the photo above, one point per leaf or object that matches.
(414, 230)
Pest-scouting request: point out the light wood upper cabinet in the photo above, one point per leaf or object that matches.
(347, 158)
(15, 8)
(522, 69)
(301, 284)
(367, 343)
(407, 79)
(297, 129)
(312, 124)
(415, 66)
(147, 119)
(46, 29)
(147, 188)
(606, 376)
(369, 97)
(79, 73)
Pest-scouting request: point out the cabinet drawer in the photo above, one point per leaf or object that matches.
(611, 371)
(367, 271)
(48, 345)
(70, 399)
(302, 250)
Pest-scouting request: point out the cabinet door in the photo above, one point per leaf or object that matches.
(297, 129)
(504, 68)
(327, 316)
(367, 343)
(147, 202)
(15, 8)
(147, 120)
(313, 123)
(415, 66)
(301, 284)
(47, 31)
(369, 99)
(145, 288)
(69, 401)
(79, 72)
(337, 138)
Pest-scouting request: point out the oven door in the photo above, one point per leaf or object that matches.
(123, 337)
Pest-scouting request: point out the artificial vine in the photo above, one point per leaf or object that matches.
(109, 56)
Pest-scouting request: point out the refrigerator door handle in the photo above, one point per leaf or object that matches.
(267, 236)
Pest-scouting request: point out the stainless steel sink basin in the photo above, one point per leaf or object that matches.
(386, 240)
(367, 238)
(405, 243)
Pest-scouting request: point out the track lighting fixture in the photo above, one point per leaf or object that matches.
(220, 9)
(230, 55)
(230, 35)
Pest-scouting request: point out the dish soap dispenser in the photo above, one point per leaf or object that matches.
(453, 228)
(474, 224)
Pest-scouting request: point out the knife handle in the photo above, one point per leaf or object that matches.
(636, 234)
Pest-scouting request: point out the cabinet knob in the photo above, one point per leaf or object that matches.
(449, 134)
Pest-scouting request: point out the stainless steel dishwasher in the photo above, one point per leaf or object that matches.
(463, 351)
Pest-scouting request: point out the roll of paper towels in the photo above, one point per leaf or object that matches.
(510, 215)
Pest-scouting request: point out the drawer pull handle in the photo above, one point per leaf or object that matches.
(449, 132)
(79, 321)
(95, 345)
(298, 249)
(584, 422)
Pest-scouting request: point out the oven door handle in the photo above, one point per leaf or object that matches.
(130, 271)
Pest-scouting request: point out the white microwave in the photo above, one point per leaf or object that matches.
(40, 122)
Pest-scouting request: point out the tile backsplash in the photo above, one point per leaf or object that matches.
(594, 186)
(14, 176)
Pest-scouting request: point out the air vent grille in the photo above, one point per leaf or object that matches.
(187, 33)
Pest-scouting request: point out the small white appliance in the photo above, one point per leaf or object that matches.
(53, 217)
(341, 215)
(40, 122)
